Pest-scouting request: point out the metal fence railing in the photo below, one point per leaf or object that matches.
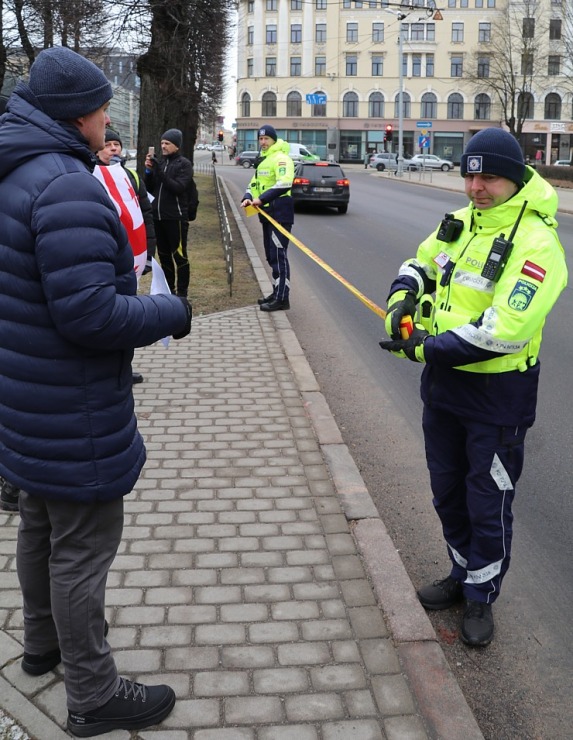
(225, 228)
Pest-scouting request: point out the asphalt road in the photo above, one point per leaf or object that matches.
(520, 686)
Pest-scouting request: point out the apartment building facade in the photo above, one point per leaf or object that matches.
(330, 74)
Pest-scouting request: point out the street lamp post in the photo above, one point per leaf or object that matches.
(400, 170)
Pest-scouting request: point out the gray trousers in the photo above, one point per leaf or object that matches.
(64, 553)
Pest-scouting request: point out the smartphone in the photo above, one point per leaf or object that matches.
(151, 151)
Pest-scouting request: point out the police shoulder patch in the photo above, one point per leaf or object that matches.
(522, 295)
(281, 170)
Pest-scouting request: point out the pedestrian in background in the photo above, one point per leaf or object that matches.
(270, 189)
(68, 433)
(481, 355)
(169, 180)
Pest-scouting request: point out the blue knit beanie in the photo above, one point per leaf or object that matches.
(68, 85)
(494, 151)
(174, 136)
(111, 135)
(268, 130)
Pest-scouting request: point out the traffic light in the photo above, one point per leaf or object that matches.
(220, 136)
(389, 132)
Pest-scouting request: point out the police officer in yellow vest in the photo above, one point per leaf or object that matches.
(494, 270)
(270, 189)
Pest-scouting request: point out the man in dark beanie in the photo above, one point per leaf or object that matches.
(496, 269)
(68, 433)
(170, 180)
(270, 190)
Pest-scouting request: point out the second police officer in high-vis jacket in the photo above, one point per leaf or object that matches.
(495, 269)
(270, 189)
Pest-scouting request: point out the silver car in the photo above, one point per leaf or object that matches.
(429, 162)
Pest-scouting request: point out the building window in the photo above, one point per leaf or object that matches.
(406, 105)
(484, 33)
(250, 68)
(553, 107)
(321, 4)
(294, 104)
(269, 104)
(527, 64)
(456, 66)
(479, 4)
(271, 67)
(455, 106)
(377, 33)
(271, 4)
(377, 66)
(491, 3)
(525, 105)
(430, 31)
(429, 106)
(245, 105)
(296, 33)
(553, 65)
(250, 35)
(451, 3)
(463, 3)
(417, 32)
(250, 6)
(457, 33)
(351, 65)
(429, 65)
(318, 110)
(350, 105)
(483, 67)
(528, 31)
(376, 105)
(352, 33)
(416, 65)
(296, 4)
(320, 33)
(320, 66)
(271, 37)
(295, 67)
(482, 107)
(555, 29)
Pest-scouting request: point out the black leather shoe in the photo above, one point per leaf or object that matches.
(133, 707)
(37, 665)
(9, 496)
(477, 624)
(268, 299)
(441, 594)
(137, 378)
(275, 305)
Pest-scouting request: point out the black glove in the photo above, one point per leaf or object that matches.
(412, 348)
(401, 303)
(187, 329)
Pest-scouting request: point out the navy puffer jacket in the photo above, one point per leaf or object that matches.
(69, 317)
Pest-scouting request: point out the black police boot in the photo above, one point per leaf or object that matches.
(276, 305)
(137, 378)
(477, 624)
(9, 496)
(267, 299)
(441, 594)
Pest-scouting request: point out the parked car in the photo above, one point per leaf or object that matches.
(562, 163)
(321, 183)
(388, 161)
(429, 162)
(246, 159)
(217, 147)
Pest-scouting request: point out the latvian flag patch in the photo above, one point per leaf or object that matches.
(533, 271)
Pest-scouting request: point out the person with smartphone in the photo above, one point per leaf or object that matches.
(170, 180)
(496, 269)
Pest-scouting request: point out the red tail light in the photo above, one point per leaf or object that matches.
(342, 182)
(301, 181)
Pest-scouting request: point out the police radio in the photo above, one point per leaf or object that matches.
(499, 252)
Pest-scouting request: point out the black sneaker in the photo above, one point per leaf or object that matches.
(37, 665)
(441, 594)
(9, 496)
(267, 299)
(477, 624)
(133, 707)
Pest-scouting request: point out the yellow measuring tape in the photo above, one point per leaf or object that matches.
(361, 297)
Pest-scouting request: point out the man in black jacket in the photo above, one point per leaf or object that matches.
(168, 179)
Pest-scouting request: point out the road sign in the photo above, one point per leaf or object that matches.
(315, 99)
(424, 142)
(423, 124)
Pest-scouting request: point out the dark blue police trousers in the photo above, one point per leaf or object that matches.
(276, 245)
(474, 468)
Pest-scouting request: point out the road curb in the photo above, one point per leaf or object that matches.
(442, 704)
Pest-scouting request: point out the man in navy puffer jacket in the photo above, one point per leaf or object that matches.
(69, 322)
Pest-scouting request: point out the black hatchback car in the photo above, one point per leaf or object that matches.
(321, 183)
